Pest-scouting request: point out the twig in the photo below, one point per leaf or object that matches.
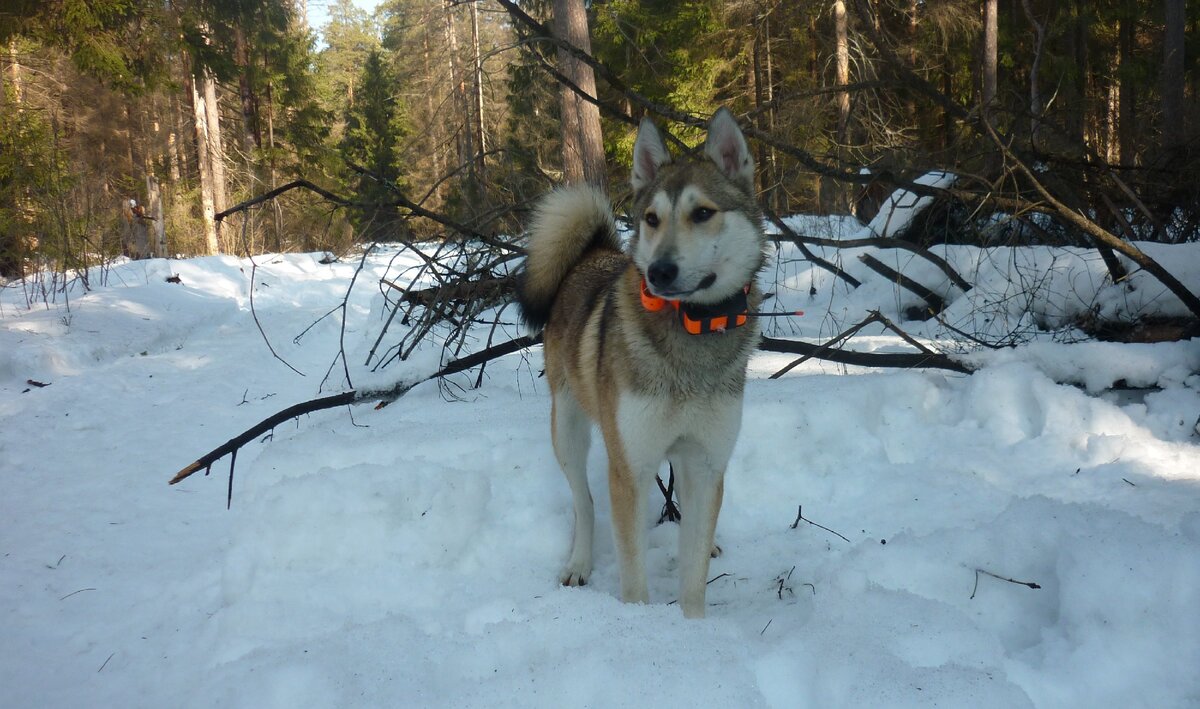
(110, 656)
(801, 518)
(718, 576)
(72, 593)
(253, 310)
(1028, 584)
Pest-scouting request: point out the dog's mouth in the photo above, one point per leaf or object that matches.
(704, 284)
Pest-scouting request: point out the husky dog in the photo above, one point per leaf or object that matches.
(651, 344)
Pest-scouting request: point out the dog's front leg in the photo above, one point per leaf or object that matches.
(701, 488)
(700, 460)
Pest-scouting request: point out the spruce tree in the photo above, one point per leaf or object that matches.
(374, 125)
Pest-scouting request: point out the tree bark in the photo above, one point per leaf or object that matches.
(582, 141)
(990, 51)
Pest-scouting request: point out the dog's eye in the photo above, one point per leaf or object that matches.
(651, 220)
(702, 214)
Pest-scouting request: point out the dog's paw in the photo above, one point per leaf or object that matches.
(573, 577)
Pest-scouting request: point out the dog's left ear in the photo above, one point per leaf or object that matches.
(726, 147)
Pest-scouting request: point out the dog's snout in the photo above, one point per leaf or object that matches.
(662, 273)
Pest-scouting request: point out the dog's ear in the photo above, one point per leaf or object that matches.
(649, 154)
(726, 147)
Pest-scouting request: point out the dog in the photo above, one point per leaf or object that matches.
(651, 343)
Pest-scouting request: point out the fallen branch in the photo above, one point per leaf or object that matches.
(384, 396)
(827, 351)
(813, 258)
(883, 242)
(935, 301)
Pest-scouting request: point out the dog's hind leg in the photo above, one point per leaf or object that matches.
(571, 433)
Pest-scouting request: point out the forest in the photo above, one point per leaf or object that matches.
(968, 466)
(191, 127)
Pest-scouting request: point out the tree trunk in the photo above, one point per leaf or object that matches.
(158, 237)
(434, 142)
(582, 141)
(276, 207)
(834, 196)
(14, 73)
(765, 112)
(477, 94)
(990, 51)
(842, 55)
(1174, 133)
(1127, 90)
(216, 149)
(177, 141)
(1035, 93)
(1077, 106)
(458, 85)
(200, 121)
(251, 134)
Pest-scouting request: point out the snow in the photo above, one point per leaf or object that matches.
(408, 555)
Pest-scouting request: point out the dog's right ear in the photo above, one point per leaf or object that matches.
(649, 154)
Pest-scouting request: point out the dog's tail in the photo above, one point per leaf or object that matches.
(567, 223)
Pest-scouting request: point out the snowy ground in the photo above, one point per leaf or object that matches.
(407, 556)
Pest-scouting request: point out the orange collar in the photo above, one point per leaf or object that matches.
(702, 319)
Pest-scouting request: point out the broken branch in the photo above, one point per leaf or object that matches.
(385, 396)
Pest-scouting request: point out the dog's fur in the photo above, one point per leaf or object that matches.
(656, 391)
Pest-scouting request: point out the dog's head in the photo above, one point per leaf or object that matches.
(698, 236)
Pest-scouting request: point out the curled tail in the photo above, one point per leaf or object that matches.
(567, 223)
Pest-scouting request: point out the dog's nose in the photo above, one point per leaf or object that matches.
(662, 273)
